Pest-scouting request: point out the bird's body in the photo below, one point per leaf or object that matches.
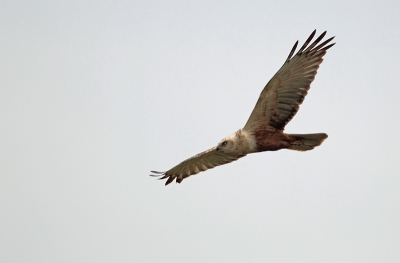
(278, 103)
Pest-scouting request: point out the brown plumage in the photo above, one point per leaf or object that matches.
(279, 101)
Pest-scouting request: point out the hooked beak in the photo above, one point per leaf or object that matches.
(218, 148)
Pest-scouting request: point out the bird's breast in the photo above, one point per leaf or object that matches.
(249, 141)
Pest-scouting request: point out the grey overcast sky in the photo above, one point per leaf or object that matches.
(95, 94)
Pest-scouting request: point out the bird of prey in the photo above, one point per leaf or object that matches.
(279, 101)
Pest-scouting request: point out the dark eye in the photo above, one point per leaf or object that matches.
(224, 143)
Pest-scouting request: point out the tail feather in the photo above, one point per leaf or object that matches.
(305, 142)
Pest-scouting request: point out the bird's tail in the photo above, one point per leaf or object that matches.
(305, 142)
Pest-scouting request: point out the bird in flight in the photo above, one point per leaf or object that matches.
(279, 101)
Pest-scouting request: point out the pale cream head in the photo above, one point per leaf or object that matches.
(228, 144)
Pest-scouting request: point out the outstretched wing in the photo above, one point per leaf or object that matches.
(196, 164)
(280, 99)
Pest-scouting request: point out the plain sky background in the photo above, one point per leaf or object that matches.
(95, 94)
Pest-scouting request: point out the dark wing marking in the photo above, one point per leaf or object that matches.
(280, 99)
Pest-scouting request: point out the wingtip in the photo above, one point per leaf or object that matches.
(306, 43)
(156, 174)
(170, 180)
(327, 47)
(292, 51)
